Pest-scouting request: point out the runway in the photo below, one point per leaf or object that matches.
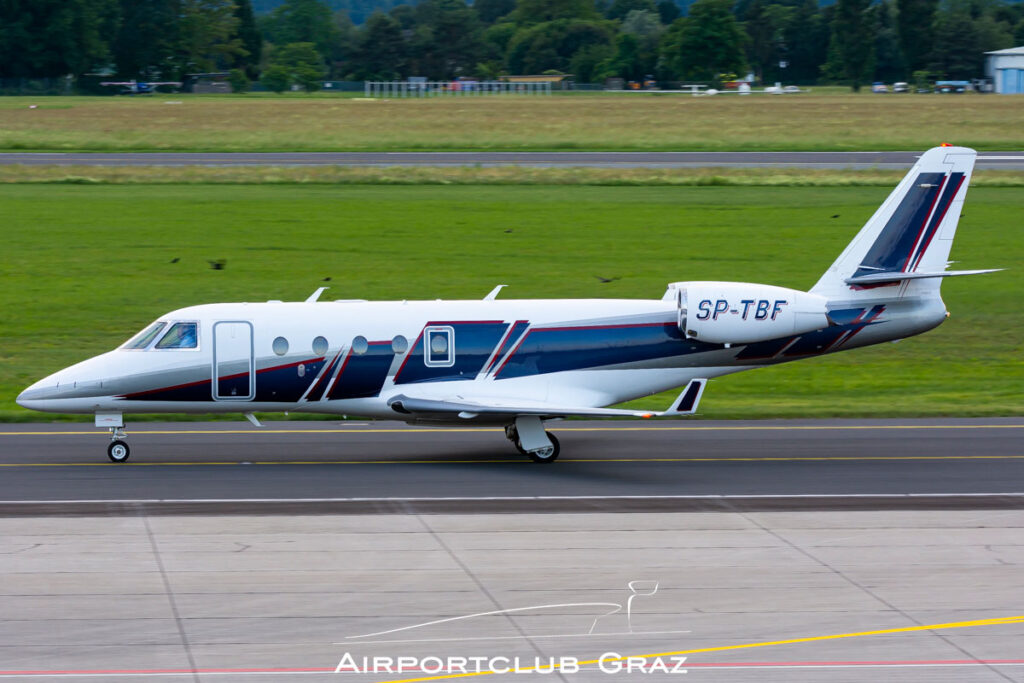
(820, 160)
(295, 467)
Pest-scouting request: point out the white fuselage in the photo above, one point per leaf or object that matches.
(352, 357)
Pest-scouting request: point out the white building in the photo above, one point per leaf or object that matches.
(1006, 69)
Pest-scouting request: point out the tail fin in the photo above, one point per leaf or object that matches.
(909, 237)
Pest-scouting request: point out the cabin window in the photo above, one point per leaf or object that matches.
(144, 338)
(360, 345)
(399, 344)
(320, 346)
(180, 336)
(439, 347)
(280, 346)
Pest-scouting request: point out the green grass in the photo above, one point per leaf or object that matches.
(84, 267)
(470, 175)
(646, 121)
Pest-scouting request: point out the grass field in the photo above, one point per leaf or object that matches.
(601, 122)
(83, 267)
(471, 175)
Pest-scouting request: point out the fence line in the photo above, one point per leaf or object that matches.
(453, 88)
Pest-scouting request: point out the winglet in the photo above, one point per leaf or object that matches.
(688, 399)
(315, 296)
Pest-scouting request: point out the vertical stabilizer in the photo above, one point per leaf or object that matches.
(911, 232)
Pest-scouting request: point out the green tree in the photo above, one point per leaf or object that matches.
(807, 38)
(447, 40)
(275, 78)
(497, 38)
(304, 64)
(238, 81)
(249, 36)
(588, 63)
(490, 11)
(766, 39)
(147, 43)
(668, 11)
(208, 31)
(530, 12)
(890, 65)
(853, 30)
(915, 21)
(552, 44)
(964, 31)
(381, 52)
(620, 8)
(636, 47)
(302, 21)
(49, 38)
(705, 44)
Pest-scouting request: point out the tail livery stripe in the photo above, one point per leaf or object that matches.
(925, 225)
(952, 187)
(900, 235)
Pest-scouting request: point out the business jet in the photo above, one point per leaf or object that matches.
(520, 363)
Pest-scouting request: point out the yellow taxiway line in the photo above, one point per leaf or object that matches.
(1019, 619)
(443, 430)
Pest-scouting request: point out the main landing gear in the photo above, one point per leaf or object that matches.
(118, 450)
(527, 434)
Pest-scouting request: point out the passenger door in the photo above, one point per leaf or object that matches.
(234, 366)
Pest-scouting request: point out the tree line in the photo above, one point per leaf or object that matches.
(302, 42)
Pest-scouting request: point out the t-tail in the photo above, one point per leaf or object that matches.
(903, 250)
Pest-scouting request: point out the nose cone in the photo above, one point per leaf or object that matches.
(36, 396)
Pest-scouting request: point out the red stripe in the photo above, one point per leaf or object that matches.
(326, 376)
(501, 344)
(186, 385)
(602, 327)
(512, 352)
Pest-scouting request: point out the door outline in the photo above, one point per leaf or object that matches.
(215, 375)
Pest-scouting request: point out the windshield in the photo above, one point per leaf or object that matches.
(180, 336)
(143, 339)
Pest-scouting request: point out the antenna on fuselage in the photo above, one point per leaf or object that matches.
(494, 293)
(315, 296)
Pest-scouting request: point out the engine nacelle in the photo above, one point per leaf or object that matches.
(743, 313)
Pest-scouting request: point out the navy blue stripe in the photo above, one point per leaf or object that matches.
(474, 343)
(955, 180)
(510, 341)
(363, 375)
(574, 348)
(900, 235)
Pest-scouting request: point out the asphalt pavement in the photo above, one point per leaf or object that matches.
(609, 465)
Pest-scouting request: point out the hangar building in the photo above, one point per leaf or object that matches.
(1006, 69)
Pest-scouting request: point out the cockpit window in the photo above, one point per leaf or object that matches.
(180, 336)
(143, 339)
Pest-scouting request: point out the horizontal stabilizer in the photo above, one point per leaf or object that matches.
(898, 276)
(467, 408)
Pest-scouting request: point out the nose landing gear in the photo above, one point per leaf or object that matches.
(118, 450)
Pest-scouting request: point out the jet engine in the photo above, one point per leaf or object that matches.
(743, 313)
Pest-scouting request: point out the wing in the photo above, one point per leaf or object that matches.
(468, 408)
